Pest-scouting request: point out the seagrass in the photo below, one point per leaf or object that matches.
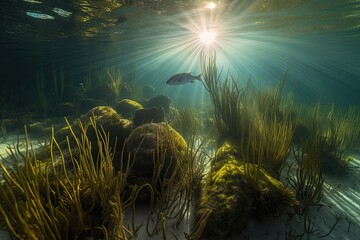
(70, 195)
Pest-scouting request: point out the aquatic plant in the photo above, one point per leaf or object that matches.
(58, 80)
(256, 134)
(308, 179)
(229, 114)
(270, 102)
(115, 82)
(131, 87)
(178, 190)
(235, 192)
(48, 93)
(186, 121)
(338, 134)
(257, 119)
(175, 176)
(41, 100)
(60, 199)
(105, 83)
(3, 131)
(268, 143)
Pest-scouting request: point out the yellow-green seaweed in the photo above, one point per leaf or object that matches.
(65, 197)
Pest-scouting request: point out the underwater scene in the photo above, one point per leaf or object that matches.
(180, 119)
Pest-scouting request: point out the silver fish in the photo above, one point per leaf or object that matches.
(182, 78)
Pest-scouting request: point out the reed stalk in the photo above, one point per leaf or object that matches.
(308, 179)
(70, 196)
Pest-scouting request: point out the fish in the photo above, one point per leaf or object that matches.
(182, 78)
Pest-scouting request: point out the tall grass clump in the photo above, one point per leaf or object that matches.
(308, 178)
(72, 195)
(226, 95)
(186, 121)
(268, 144)
(257, 119)
(115, 81)
(338, 134)
(40, 98)
(255, 128)
(58, 80)
(175, 181)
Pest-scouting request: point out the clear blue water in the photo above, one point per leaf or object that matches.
(315, 42)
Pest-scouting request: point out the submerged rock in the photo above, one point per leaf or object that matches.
(127, 107)
(149, 115)
(106, 119)
(100, 113)
(111, 122)
(157, 147)
(234, 191)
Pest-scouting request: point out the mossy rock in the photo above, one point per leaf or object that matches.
(226, 153)
(127, 107)
(111, 122)
(149, 115)
(149, 140)
(100, 113)
(233, 196)
(106, 118)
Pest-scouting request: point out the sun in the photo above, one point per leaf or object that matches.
(207, 37)
(210, 5)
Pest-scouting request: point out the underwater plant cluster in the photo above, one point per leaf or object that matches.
(230, 163)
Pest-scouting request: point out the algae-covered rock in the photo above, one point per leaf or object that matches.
(111, 122)
(100, 113)
(233, 195)
(154, 143)
(149, 115)
(228, 152)
(127, 107)
(107, 119)
(236, 190)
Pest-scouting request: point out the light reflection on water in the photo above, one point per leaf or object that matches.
(315, 43)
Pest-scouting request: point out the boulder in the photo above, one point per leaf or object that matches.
(106, 119)
(127, 107)
(149, 115)
(156, 147)
(235, 191)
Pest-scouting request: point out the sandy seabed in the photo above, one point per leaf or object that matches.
(336, 216)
